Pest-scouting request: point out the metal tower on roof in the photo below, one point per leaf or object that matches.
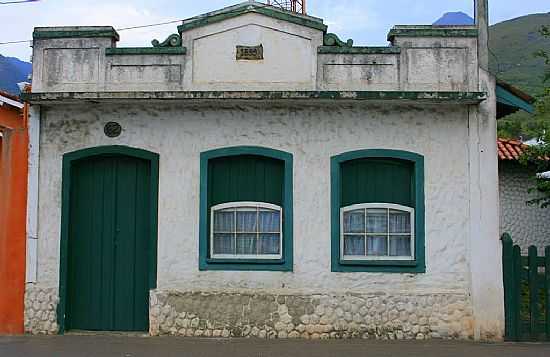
(298, 6)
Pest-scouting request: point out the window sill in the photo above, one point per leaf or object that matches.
(245, 265)
(378, 266)
(244, 261)
(401, 263)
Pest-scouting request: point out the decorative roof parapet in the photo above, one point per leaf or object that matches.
(174, 40)
(432, 31)
(113, 51)
(331, 39)
(252, 7)
(75, 32)
(391, 50)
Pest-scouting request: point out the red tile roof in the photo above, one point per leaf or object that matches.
(510, 149)
(9, 96)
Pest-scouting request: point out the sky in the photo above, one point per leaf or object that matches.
(365, 21)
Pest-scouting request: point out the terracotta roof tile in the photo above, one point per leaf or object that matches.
(510, 149)
(9, 96)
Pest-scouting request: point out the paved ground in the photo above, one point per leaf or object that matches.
(125, 346)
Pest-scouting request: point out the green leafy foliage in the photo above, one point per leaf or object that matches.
(538, 156)
(545, 32)
(523, 125)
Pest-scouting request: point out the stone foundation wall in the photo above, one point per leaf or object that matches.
(40, 310)
(377, 316)
(210, 314)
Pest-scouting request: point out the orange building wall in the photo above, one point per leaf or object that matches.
(13, 211)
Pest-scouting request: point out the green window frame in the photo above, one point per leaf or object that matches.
(413, 160)
(206, 261)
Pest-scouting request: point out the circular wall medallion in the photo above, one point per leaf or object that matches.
(112, 129)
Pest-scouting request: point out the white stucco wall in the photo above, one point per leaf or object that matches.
(485, 249)
(438, 63)
(290, 55)
(312, 134)
(528, 225)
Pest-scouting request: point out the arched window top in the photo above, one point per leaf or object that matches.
(110, 150)
(379, 153)
(246, 150)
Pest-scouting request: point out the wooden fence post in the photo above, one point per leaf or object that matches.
(516, 292)
(547, 289)
(533, 292)
(508, 274)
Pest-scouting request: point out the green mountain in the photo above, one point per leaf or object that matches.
(512, 45)
(13, 71)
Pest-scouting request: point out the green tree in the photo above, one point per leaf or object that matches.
(538, 156)
(545, 32)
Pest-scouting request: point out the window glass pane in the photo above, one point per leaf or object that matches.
(269, 244)
(354, 221)
(224, 244)
(377, 245)
(246, 220)
(354, 245)
(224, 221)
(400, 222)
(246, 244)
(377, 221)
(269, 221)
(400, 246)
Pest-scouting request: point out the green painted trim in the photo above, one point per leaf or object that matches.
(114, 51)
(209, 19)
(110, 33)
(358, 50)
(430, 31)
(174, 40)
(337, 265)
(285, 264)
(467, 98)
(332, 39)
(508, 98)
(68, 160)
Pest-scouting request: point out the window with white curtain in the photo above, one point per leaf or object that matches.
(246, 230)
(377, 231)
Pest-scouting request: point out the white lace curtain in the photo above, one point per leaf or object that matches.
(247, 231)
(377, 232)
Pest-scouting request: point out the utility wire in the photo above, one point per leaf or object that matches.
(12, 42)
(124, 28)
(120, 29)
(150, 25)
(16, 2)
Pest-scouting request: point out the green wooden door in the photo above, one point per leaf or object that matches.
(109, 229)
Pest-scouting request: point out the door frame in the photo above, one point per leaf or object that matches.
(68, 160)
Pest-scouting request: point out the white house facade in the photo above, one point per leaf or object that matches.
(254, 176)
